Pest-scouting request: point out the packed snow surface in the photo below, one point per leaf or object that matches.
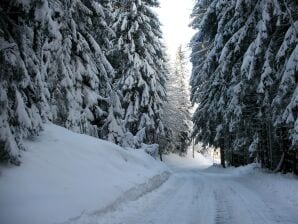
(75, 179)
(64, 174)
(198, 194)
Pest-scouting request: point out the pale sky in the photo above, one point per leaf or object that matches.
(175, 18)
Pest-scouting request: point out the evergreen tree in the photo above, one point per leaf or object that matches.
(139, 62)
(53, 67)
(21, 97)
(243, 78)
(82, 103)
(176, 115)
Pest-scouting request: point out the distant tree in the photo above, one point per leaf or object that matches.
(176, 115)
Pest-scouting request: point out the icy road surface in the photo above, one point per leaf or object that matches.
(193, 195)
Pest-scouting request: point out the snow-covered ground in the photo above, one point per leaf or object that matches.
(178, 163)
(75, 179)
(196, 194)
(64, 174)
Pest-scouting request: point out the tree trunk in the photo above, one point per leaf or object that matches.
(160, 154)
(222, 158)
(280, 164)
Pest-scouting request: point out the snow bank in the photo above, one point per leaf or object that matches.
(233, 171)
(274, 187)
(64, 174)
(279, 187)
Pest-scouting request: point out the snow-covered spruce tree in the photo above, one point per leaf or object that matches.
(176, 114)
(53, 66)
(79, 75)
(21, 91)
(83, 99)
(243, 78)
(285, 101)
(140, 65)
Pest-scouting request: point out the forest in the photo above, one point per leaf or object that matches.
(244, 79)
(100, 68)
(107, 118)
(95, 67)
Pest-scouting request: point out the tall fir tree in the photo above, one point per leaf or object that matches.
(140, 65)
(244, 80)
(53, 67)
(22, 97)
(176, 116)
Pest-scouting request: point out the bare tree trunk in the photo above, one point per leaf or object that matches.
(280, 164)
(160, 153)
(193, 148)
(222, 158)
(270, 145)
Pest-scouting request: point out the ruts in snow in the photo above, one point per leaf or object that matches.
(211, 196)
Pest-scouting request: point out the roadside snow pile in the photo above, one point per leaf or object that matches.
(242, 170)
(64, 174)
(233, 171)
(275, 187)
(187, 162)
(151, 149)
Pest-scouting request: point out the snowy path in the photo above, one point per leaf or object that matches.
(203, 196)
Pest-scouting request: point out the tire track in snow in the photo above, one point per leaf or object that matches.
(249, 207)
(130, 195)
(223, 208)
(190, 197)
(258, 209)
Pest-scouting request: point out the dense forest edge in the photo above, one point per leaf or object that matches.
(244, 78)
(95, 67)
(99, 67)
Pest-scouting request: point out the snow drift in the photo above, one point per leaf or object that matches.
(64, 174)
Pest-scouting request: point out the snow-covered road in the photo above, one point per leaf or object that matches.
(210, 196)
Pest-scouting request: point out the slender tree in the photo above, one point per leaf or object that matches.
(176, 114)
